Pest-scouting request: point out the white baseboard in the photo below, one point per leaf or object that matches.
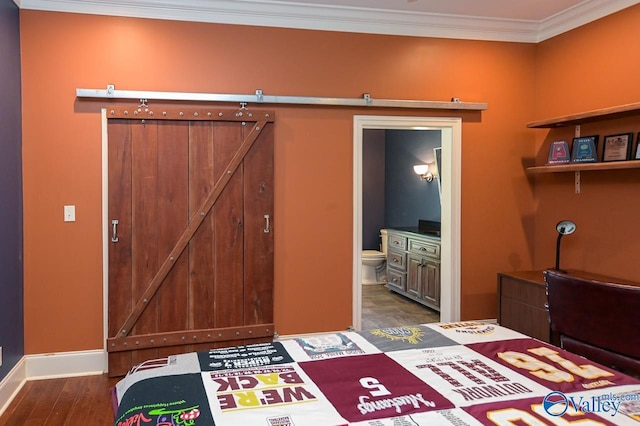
(66, 364)
(12, 383)
(49, 366)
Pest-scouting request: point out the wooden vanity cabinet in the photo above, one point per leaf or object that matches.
(413, 267)
(423, 280)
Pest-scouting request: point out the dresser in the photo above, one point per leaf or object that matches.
(413, 266)
(522, 302)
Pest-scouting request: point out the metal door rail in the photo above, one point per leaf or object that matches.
(259, 98)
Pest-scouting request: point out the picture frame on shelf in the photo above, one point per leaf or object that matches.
(617, 147)
(637, 156)
(584, 149)
(559, 153)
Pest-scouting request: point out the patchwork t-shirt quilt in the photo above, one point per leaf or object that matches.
(453, 374)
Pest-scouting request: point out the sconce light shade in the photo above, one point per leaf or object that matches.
(422, 170)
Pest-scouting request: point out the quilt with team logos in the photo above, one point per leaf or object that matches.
(453, 374)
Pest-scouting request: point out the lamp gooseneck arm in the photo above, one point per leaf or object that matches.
(557, 268)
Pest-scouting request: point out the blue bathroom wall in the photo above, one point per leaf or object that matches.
(407, 198)
(373, 176)
(392, 194)
(11, 282)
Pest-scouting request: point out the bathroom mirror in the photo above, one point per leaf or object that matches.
(437, 154)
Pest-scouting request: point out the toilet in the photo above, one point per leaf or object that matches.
(374, 263)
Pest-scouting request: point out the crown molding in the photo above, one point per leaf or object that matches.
(273, 13)
(582, 14)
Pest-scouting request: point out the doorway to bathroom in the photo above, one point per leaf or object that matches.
(448, 131)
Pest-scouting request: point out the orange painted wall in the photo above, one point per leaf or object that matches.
(590, 68)
(313, 154)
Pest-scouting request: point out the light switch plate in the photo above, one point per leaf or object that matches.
(69, 213)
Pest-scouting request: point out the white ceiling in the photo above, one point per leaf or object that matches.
(527, 21)
(508, 9)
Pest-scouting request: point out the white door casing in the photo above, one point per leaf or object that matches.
(451, 133)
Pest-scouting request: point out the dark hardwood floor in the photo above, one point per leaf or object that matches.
(86, 401)
(383, 308)
(73, 401)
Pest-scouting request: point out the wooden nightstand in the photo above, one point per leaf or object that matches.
(521, 303)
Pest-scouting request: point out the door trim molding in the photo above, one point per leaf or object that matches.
(451, 134)
(105, 228)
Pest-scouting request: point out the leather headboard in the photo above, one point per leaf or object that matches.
(596, 319)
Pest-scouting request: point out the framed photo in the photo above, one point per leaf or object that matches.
(584, 149)
(637, 157)
(559, 153)
(617, 147)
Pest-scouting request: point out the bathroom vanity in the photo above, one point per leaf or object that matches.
(413, 265)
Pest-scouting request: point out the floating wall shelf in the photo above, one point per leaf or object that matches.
(576, 167)
(577, 120)
(587, 117)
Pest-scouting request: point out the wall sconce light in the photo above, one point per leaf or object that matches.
(422, 170)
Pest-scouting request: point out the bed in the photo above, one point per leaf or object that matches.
(465, 373)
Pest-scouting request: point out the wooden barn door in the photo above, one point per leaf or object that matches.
(191, 241)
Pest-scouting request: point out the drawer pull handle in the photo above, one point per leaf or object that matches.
(395, 280)
(395, 260)
(423, 248)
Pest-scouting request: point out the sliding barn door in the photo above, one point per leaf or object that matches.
(190, 224)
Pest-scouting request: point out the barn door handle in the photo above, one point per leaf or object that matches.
(114, 235)
(266, 223)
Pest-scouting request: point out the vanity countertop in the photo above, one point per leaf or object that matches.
(415, 230)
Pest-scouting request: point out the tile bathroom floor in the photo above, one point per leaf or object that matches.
(383, 308)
